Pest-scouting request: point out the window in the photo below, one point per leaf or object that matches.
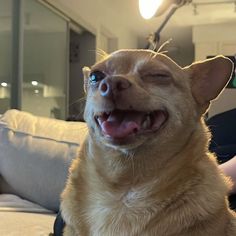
(5, 54)
(45, 61)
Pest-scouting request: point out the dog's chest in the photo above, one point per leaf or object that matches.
(117, 214)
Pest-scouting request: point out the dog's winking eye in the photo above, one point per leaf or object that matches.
(160, 78)
(96, 76)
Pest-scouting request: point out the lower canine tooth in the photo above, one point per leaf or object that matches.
(146, 123)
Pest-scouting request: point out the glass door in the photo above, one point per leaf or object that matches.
(5, 53)
(45, 64)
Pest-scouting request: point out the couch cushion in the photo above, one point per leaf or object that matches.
(35, 154)
(26, 224)
(10, 202)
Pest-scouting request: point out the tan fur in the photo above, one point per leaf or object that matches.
(161, 184)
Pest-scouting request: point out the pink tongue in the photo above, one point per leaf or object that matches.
(118, 126)
(116, 130)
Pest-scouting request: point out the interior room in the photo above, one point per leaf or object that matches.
(44, 45)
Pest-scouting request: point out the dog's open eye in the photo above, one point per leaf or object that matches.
(96, 76)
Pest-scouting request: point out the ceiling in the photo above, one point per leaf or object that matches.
(207, 12)
(179, 27)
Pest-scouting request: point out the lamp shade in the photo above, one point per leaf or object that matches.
(148, 8)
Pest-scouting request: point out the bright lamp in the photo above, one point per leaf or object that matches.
(148, 8)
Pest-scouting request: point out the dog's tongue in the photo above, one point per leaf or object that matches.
(121, 124)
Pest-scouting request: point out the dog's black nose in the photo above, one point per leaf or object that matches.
(113, 85)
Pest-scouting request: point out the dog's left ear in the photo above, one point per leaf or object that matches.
(208, 79)
(86, 71)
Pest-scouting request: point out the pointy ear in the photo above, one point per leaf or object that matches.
(86, 72)
(209, 78)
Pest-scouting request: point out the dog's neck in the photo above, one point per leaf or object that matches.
(146, 162)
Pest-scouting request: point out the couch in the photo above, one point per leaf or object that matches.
(35, 154)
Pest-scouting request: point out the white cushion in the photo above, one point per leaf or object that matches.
(35, 154)
(26, 224)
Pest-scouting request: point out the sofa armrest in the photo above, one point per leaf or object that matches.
(35, 154)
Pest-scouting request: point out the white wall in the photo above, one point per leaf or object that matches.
(213, 40)
(96, 16)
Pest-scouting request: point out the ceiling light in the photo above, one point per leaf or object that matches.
(4, 84)
(148, 8)
(34, 83)
(36, 91)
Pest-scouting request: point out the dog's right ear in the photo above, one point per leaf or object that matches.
(209, 78)
(86, 71)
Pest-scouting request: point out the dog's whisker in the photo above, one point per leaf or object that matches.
(101, 53)
(164, 45)
(83, 99)
(149, 57)
(132, 162)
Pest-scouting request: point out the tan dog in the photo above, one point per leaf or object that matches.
(145, 168)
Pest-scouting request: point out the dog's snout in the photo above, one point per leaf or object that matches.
(110, 86)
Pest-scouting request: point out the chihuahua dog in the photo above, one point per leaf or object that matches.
(144, 168)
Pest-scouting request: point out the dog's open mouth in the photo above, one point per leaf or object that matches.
(119, 124)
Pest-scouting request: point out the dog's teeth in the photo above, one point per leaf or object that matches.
(147, 122)
(144, 125)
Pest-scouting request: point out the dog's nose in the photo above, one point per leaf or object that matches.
(113, 85)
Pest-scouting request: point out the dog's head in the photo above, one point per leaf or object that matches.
(136, 97)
